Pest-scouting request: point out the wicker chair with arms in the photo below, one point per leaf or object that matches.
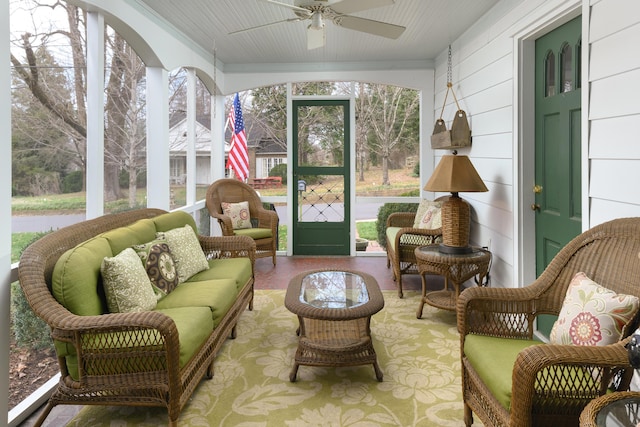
(263, 227)
(550, 383)
(403, 237)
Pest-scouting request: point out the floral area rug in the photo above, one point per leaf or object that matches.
(420, 359)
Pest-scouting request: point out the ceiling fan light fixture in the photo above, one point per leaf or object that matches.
(316, 21)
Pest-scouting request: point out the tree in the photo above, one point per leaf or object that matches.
(124, 107)
(392, 109)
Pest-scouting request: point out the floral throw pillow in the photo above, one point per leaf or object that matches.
(427, 207)
(126, 284)
(186, 251)
(239, 214)
(592, 314)
(158, 261)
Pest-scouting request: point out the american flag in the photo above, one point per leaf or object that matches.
(238, 154)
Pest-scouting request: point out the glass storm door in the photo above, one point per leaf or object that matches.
(321, 214)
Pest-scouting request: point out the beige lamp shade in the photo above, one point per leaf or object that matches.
(455, 174)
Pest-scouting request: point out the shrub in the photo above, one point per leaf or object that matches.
(72, 183)
(29, 330)
(281, 171)
(384, 212)
(141, 179)
(416, 170)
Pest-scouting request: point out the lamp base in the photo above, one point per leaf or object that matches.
(455, 250)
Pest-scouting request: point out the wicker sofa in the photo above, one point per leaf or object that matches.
(144, 358)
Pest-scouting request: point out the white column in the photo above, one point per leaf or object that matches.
(95, 115)
(218, 118)
(5, 212)
(191, 137)
(158, 191)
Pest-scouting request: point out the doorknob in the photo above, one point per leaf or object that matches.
(537, 189)
(535, 207)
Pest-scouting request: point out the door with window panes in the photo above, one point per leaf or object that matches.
(557, 187)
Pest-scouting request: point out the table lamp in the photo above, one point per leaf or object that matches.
(455, 174)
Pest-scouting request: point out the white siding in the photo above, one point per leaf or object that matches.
(485, 62)
(614, 113)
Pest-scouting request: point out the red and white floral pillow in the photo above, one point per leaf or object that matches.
(592, 314)
(239, 214)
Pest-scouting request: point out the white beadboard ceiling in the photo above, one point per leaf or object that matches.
(431, 25)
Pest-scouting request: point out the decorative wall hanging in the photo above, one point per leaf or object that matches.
(460, 134)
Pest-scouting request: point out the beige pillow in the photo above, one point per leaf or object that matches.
(186, 251)
(430, 208)
(592, 314)
(239, 214)
(126, 284)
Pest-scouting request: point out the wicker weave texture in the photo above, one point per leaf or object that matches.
(334, 336)
(552, 383)
(401, 253)
(149, 351)
(234, 191)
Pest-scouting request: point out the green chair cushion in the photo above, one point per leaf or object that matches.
(218, 295)
(254, 233)
(76, 280)
(238, 269)
(493, 360)
(391, 233)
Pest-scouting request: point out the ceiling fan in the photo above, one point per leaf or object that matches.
(337, 11)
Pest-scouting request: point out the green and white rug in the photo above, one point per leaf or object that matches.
(420, 359)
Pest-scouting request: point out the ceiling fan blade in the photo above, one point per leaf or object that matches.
(265, 25)
(315, 38)
(377, 28)
(346, 7)
(289, 6)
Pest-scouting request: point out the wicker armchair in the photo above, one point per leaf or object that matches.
(550, 384)
(265, 229)
(401, 245)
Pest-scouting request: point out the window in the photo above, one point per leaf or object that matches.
(566, 69)
(550, 74)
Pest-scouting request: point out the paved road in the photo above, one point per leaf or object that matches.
(20, 224)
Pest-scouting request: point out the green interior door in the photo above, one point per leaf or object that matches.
(557, 145)
(321, 171)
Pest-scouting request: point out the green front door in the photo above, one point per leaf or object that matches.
(557, 143)
(321, 218)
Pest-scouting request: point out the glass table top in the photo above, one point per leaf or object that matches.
(621, 413)
(333, 289)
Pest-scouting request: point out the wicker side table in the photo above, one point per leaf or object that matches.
(455, 268)
(334, 308)
(621, 409)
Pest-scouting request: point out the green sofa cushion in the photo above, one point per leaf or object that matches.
(238, 269)
(493, 360)
(171, 220)
(254, 233)
(76, 281)
(218, 295)
(139, 232)
(194, 325)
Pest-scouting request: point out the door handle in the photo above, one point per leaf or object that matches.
(535, 207)
(537, 189)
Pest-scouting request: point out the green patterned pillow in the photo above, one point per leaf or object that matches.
(186, 250)
(126, 284)
(158, 261)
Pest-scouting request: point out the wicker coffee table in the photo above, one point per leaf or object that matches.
(334, 308)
